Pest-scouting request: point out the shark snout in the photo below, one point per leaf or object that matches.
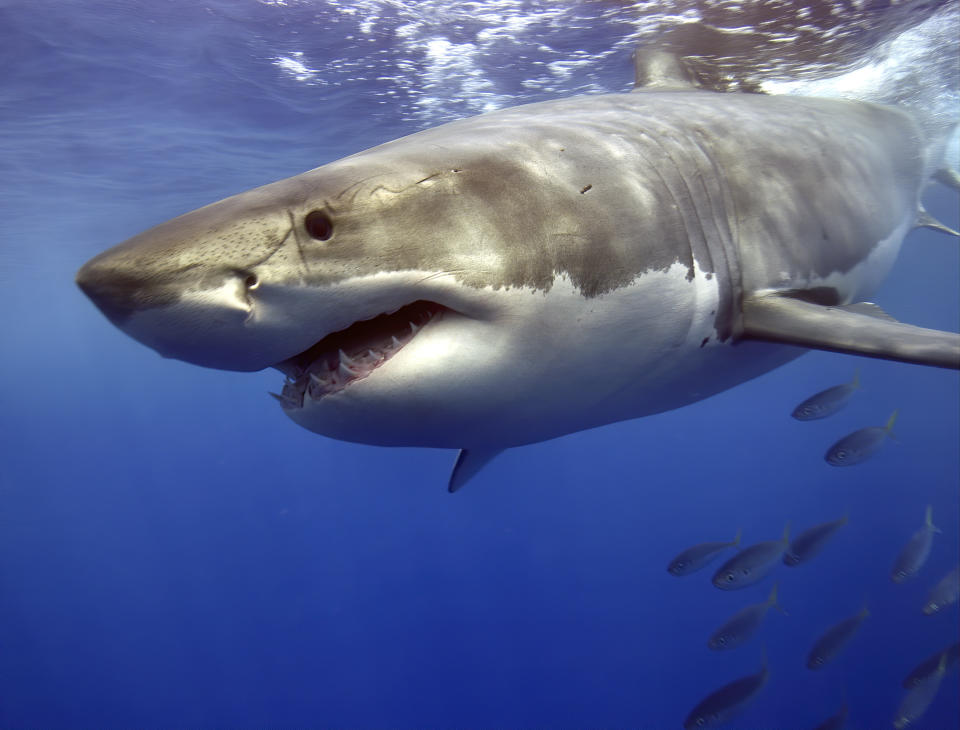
(115, 292)
(193, 313)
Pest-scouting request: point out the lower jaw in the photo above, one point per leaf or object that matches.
(344, 357)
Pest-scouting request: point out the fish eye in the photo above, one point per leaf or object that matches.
(730, 577)
(701, 721)
(722, 640)
(318, 225)
(818, 660)
(842, 454)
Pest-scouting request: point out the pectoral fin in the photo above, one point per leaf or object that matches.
(467, 464)
(857, 329)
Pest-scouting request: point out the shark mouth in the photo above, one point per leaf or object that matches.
(352, 354)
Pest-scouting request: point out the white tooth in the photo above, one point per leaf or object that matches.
(372, 355)
(317, 380)
(413, 328)
(396, 342)
(285, 402)
(346, 373)
(344, 360)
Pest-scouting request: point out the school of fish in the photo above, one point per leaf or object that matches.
(755, 562)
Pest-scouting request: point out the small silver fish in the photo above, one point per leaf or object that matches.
(752, 563)
(915, 553)
(743, 624)
(827, 402)
(837, 721)
(694, 558)
(929, 665)
(944, 593)
(919, 697)
(811, 541)
(720, 706)
(834, 639)
(859, 445)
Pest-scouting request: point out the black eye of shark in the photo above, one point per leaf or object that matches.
(351, 354)
(318, 225)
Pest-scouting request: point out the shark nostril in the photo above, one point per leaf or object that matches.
(251, 282)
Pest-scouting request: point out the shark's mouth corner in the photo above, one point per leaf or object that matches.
(351, 354)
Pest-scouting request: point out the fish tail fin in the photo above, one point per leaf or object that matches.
(928, 520)
(856, 379)
(736, 538)
(846, 518)
(892, 420)
(864, 612)
(785, 538)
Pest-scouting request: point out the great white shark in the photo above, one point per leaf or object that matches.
(548, 268)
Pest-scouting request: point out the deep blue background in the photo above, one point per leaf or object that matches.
(174, 552)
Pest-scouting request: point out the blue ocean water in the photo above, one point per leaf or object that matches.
(174, 552)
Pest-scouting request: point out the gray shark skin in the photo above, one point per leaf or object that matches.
(544, 269)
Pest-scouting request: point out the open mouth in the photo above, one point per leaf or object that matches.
(351, 354)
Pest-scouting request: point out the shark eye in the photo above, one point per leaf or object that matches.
(318, 225)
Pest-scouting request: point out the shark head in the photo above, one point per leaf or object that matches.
(445, 289)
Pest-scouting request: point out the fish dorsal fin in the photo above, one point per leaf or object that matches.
(856, 329)
(785, 537)
(855, 383)
(774, 600)
(467, 464)
(659, 70)
(925, 220)
(928, 520)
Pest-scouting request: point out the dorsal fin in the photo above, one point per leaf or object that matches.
(659, 70)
